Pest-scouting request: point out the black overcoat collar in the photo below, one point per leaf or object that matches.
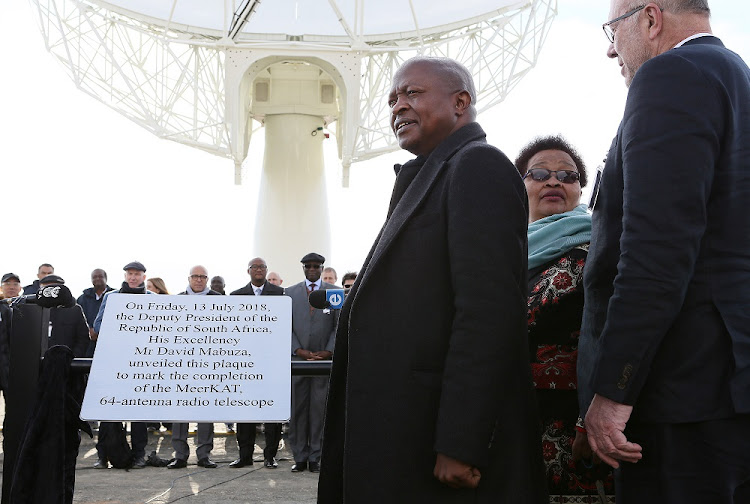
(418, 191)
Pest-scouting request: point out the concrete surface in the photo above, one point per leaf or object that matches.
(193, 485)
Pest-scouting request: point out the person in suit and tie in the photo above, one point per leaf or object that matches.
(313, 334)
(258, 286)
(664, 354)
(431, 397)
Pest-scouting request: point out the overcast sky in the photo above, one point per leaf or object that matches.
(83, 187)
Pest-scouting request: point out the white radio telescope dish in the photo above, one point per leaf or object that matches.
(205, 73)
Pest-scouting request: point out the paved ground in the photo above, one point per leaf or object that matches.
(192, 485)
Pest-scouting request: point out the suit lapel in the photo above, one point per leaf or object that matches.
(418, 190)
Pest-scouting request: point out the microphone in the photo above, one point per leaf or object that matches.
(23, 298)
(327, 298)
(52, 296)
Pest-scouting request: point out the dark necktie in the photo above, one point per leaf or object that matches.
(312, 288)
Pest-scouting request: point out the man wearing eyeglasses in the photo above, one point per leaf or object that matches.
(197, 286)
(258, 286)
(312, 339)
(664, 355)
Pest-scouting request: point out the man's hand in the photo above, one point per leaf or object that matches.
(93, 335)
(605, 423)
(455, 473)
(308, 355)
(323, 354)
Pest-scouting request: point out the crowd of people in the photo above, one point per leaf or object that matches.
(312, 339)
(604, 351)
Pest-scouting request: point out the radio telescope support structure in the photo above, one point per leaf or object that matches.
(203, 75)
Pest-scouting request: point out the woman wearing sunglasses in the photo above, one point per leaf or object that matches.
(559, 235)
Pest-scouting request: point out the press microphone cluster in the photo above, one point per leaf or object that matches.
(327, 298)
(51, 296)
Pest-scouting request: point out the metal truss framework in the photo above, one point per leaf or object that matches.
(170, 79)
(498, 52)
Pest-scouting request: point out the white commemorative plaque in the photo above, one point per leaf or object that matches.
(192, 358)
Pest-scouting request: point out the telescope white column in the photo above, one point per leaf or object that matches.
(292, 217)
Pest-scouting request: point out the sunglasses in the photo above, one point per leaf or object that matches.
(312, 266)
(564, 176)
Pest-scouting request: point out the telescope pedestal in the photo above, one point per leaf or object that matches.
(292, 197)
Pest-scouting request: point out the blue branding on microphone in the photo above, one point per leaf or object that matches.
(335, 297)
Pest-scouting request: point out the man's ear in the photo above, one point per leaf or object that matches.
(655, 18)
(463, 102)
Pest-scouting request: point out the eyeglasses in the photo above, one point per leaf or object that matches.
(607, 27)
(313, 266)
(348, 286)
(258, 267)
(199, 277)
(564, 176)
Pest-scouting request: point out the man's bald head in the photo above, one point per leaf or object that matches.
(198, 278)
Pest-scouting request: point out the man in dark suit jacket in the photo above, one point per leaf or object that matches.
(665, 343)
(431, 397)
(44, 270)
(313, 333)
(258, 286)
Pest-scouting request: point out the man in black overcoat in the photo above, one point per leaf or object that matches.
(664, 352)
(430, 395)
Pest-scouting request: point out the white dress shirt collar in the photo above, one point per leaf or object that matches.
(693, 37)
(317, 284)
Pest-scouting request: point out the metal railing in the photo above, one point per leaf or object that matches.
(28, 341)
(299, 368)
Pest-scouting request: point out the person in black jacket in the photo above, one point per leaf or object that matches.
(44, 270)
(135, 283)
(664, 351)
(431, 398)
(11, 287)
(258, 286)
(91, 300)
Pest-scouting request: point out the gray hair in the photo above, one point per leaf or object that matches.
(678, 6)
(454, 74)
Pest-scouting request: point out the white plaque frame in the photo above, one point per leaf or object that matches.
(192, 359)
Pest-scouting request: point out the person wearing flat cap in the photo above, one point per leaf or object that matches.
(135, 283)
(313, 334)
(11, 286)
